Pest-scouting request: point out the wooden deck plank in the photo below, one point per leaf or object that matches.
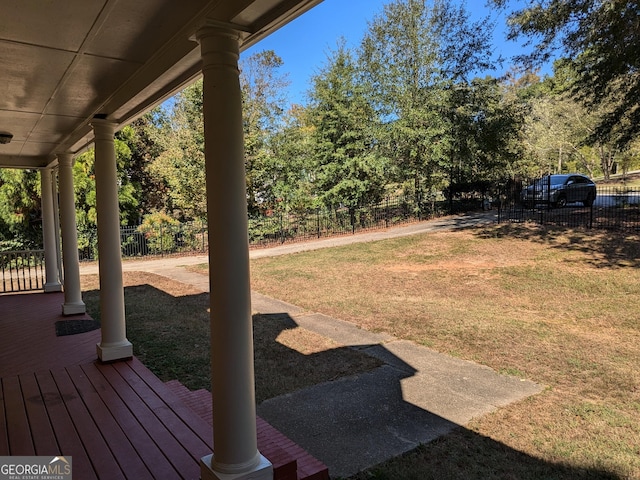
(155, 423)
(103, 461)
(124, 453)
(202, 429)
(180, 458)
(144, 445)
(135, 372)
(4, 435)
(44, 438)
(19, 434)
(66, 434)
(24, 352)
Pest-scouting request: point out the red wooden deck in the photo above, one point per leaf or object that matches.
(116, 421)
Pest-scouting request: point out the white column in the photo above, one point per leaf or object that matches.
(50, 245)
(73, 303)
(114, 344)
(236, 454)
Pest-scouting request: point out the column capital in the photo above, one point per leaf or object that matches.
(219, 47)
(65, 159)
(103, 129)
(217, 29)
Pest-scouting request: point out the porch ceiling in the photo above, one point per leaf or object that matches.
(64, 62)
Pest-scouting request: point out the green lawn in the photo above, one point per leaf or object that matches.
(557, 307)
(554, 306)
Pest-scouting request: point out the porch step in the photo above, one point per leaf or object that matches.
(290, 461)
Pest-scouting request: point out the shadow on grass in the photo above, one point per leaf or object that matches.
(463, 454)
(606, 249)
(345, 407)
(171, 336)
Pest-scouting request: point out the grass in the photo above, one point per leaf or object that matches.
(168, 324)
(631, 180)
(555, 306)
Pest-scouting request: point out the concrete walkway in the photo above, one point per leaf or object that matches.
(356, 422)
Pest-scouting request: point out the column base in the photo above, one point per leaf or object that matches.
(263, 471)
(74, 308)
(52, 287)
(115, 352)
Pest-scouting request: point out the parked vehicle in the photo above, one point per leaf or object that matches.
(559, 190)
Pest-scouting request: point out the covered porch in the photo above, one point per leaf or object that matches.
(115, 420)
(74, 73)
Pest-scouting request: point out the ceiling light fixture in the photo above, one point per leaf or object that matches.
(5, 138)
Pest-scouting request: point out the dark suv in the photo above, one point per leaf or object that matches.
(559, 190)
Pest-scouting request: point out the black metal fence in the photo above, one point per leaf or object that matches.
(280, 228)
(614, 208)
(276, 228)
(22, 270)
(160, 240)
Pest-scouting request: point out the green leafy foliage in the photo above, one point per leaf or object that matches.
(180, 166)
(85, 190)
(601, 39)
(350, 170)
(20, 214)
(159, 230)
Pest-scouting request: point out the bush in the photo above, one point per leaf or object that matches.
(159, 230)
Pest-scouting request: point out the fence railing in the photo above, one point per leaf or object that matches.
(22, 270)
(275, 228)
(160, 240)
(614, 208)
(307, 225)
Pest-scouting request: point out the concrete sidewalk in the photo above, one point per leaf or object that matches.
(356, 422)
(416, 396)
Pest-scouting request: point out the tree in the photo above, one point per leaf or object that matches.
(263, 99)
(349, 169)
(601, 38)
(556, 131)
(485, 124)
(20, 215)
(412, 54)
(145, 142)
(291, 173)
(560, 130)
(181, 165)
(85, 191)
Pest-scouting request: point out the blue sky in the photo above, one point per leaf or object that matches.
(305, 43)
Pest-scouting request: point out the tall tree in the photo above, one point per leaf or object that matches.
(291, 174)
(562, 131)
(85, 190)
(145, 141)
(602, 40)
(181, 165)
(349, 169)
(264, 102)
(20, 218)
(413, 52)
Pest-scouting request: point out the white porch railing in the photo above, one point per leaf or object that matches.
(22, 270)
